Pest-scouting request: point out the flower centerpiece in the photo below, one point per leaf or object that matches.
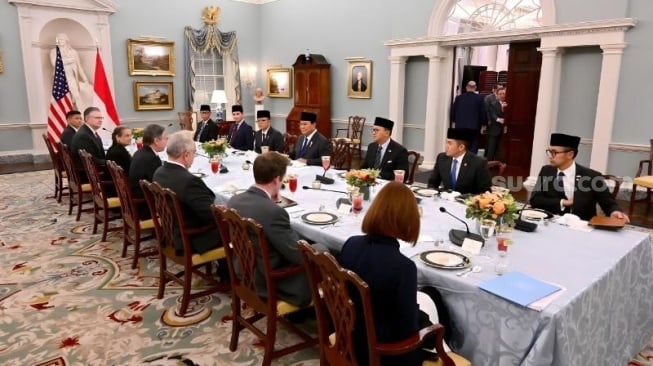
(497, 206)
(215, 147)
(137, 133)
(363, 179)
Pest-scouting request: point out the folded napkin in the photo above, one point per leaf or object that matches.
(297, 163)
(294, 209)
(574, 222)
(449, 196)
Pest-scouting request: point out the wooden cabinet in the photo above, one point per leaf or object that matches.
(312, 93)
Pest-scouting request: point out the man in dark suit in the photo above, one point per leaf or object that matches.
(312, 145)
(195, 197)
(384, 153)
(88, 139)
(567, 187)
(146, 161)
(74, 119)
(458, 169)
(206, 130)
(359, 84)
(267, 135)
(241, 135)
(468, 111)
(258, 203)
(495, 123)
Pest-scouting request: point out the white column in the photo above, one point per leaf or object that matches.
(547, 107)
(396, 100)
(434, 132)
(606, 105)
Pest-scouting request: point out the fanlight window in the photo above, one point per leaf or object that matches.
(490, 15)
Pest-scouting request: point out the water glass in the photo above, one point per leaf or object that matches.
(399, 175)
(264, 149)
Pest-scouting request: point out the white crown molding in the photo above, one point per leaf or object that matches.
(107, 6)
(505, 36)
(257, 2)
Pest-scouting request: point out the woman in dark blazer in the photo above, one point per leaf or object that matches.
(392, 277)
(121, 137)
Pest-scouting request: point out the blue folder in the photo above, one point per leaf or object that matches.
(519, 288)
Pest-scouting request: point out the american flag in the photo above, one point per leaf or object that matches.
(61, 102)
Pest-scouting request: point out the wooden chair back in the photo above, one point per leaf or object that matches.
(341, 154)
(617, 184)
(172, 224)
(186, 120)
(75, 186)
(289, 142)
(59, 169)
(102, 203)
(148, 195)
(354, 133)
(247, 252)
(413, 162)
(336, 293)
(496, 169)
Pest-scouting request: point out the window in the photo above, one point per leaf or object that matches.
(209, 76)
(489, 15)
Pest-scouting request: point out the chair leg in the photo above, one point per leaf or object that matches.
(271, 335)
(105, 213)
(648, 204)
(235, 323)
(162, 276)
(125, 241)
(95, 219)
(137, 248)
(70, 202)
(185, 296)
(80, 199)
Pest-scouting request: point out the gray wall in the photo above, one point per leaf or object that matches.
(13, 94)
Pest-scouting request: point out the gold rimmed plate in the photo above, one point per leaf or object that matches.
(536, 214)
(319, 218)
(426, 192)
(445, 259)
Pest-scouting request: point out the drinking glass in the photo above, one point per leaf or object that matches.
(264, 149)
(292, 183)
(215, 164)
(357, 203)
(326, 162)
(399, 175)
(139, 143)
(487, 228)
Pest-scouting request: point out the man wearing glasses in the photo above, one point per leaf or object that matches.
(566, 187)
(87, 138)
(384, 153)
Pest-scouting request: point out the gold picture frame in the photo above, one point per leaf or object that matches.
(150, 57)
(359, 79)
(279, 82)
(153, 95)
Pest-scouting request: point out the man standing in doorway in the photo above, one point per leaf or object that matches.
(468, 111)
(495, 124)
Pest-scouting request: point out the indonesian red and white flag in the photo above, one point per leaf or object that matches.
(103, 99)
(60, 103)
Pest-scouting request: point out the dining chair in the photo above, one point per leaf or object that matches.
(496, 169)
(76, 188)
(246, 245)
(104, 207)
(133, 226)
(336, 292)
(60, 189)
(289, 142)
(413, 162)
(354, 133)
(171, 223)
(185, 120)
(341, 153)
(616, 182)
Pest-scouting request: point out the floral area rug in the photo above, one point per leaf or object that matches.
(67, 298)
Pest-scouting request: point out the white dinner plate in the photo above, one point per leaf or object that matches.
(319, 218)
(535, 214)
(445, 259)
(426, 192)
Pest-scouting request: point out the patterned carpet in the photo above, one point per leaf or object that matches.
(66, 298)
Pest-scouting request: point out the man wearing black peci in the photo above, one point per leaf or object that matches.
(384, 153)
(206, 130)
(312, 145)
(267, 135)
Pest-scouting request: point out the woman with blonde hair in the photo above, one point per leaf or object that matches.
(392, 277)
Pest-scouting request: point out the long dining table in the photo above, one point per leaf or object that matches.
(603, 315)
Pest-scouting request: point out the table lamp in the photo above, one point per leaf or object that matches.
(219, 97)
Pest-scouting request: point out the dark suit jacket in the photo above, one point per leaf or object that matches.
(392, 279)
(473, 175)
(354, 86)
(85, 139)
(210, 132)
(67, 135)
(395, 157)
(144, 163)
(494, 111)
(120, 156)
(196, 200)
(468, 111)
(318, 146)
(273, 139)
(244, 139)
(590, 189)
(282, 240)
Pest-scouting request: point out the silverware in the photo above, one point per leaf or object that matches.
(461, 273)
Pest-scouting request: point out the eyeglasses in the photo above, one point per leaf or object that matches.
(553, 153)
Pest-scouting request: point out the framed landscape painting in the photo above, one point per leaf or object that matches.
(151, 57)
(279, 82)
(155, 95)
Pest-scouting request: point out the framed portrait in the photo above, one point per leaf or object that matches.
(150, 57)
(153, 95)
(359, 79)
(279, 82)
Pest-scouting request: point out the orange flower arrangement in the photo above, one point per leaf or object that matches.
(362, 177)
(492, 206)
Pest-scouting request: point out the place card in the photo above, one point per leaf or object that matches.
(344, 208)
(472, 246)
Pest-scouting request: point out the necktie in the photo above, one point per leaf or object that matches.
(559, 185)
(263, 140)
(98, 139)
(304, 146)
(379, 156)
(454, 165)
(199, 133)
(234, 130)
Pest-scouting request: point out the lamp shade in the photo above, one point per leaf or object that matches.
(219, 97)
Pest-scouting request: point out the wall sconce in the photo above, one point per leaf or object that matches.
(248, 74)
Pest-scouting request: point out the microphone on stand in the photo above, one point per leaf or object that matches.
(323, 189)
(458, 236)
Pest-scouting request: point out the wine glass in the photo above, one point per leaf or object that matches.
(292, 183)
(215, 164)
(326, 163)
(357, 202)
(487, 227)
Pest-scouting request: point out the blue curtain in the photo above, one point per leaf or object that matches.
(203, 40)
